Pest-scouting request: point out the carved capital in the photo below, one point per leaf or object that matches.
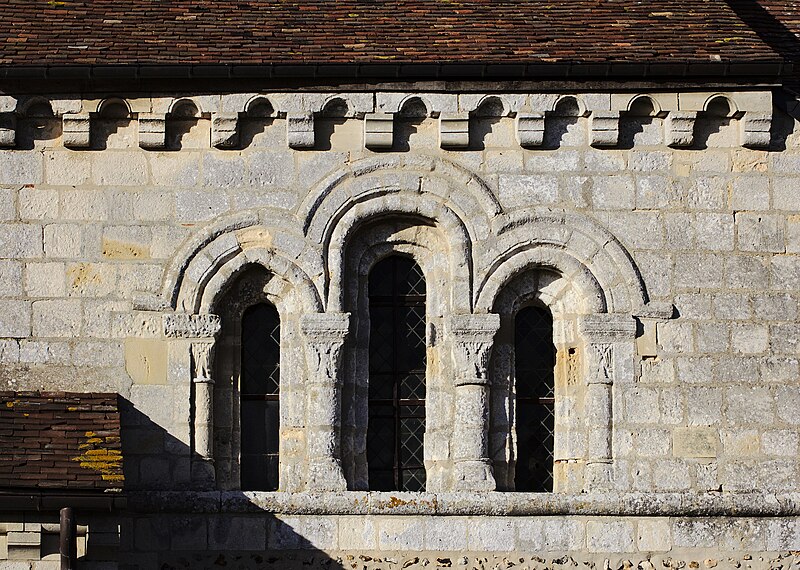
(600, 363)
(202, 361)
(186, 325)
(325, 335)
(472, 337)
(607, 327)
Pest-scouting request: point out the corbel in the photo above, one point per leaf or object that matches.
(755, 130)
(378, 130)
(224, 133)
(454, 130)
(8, 130)
(300, 130)
(76, 129)
(530, 129)
(679, 128)
(605, 128)
(152, 130)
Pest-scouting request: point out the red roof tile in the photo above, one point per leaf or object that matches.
(59, 440)
(70, 32)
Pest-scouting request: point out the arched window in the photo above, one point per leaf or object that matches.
(260, 385)
(396, 376)
(535, 359)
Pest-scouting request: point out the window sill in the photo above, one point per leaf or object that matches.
(468, 504)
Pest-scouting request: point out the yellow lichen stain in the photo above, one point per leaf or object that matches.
(82, 274)
(12, 403)
(114, 249)
(72, 408)
(395, 502)
(89, 434)
(110, 477)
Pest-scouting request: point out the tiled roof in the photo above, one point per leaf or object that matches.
(59, 441)
(99, 32)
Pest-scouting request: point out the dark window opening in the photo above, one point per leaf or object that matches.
(396, 376)
(535, 360)
(260, 386)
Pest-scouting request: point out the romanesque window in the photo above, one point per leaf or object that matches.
(259, 390)
(396, 376)
(534, 363)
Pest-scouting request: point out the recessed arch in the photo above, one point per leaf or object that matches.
(259, 107)
(114, 108)
(215, 252)
(596, 251)
(721, 105)
(401, 206)
(185, 108)
(450, 181)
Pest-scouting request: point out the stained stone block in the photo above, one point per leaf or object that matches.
(698, 442)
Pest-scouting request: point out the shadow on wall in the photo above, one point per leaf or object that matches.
(188, 530)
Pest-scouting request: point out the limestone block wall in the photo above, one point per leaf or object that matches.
(662, 229)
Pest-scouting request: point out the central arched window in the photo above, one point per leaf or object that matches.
(534, 364)
(397, 363)
(259, 389)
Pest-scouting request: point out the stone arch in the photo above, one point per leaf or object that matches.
(458, 255)
(440, 192)
(580, 245)
(185, 102)
(111, 102)
(259, 106)
(423, 241)
(733, 108)
(320, 208)
(542, 256)
(200, 266)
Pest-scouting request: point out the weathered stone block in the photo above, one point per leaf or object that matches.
(15, 319)
(614, 537)
(698, 442)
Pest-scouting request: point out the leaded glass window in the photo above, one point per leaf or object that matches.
(260, 386)
(535, 359)
(396, 376)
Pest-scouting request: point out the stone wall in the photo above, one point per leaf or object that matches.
(663, 232)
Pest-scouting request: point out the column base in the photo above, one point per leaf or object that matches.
(474, 475)
(326, 475)
(598, 476)
(203, 474)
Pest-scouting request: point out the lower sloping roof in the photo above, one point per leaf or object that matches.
(60, 441)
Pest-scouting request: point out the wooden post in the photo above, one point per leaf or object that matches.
(68, 545)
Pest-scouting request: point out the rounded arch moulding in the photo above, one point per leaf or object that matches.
(207, 261)
(438, 192)
(576, 247)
